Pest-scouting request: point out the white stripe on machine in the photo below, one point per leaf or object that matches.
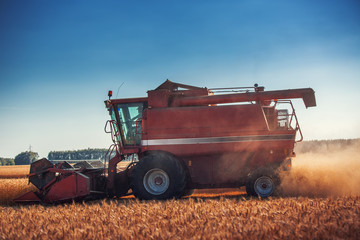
(181, 141)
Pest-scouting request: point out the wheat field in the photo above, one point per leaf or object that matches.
(320, 200)
(17, 171)
(217, 214)
(192, 218)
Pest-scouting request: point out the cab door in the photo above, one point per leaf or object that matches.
(130, 118)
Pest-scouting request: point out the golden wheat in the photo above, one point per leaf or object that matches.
(218, 214)
(17, 171)
(193, 218)
(196, 217)
(12, 188)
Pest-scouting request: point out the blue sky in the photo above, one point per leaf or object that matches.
(58, 59)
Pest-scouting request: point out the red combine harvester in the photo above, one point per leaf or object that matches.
(180, 138)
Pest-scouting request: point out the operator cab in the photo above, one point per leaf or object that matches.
(130, 115)
(128, 118)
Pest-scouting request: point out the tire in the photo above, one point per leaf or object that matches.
(158, 176)
(262, 183)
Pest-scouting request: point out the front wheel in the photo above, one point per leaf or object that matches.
(156, 181)
(158, 176)
(262, 183)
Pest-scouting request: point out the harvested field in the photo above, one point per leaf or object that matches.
(17, 171)
(193, 218)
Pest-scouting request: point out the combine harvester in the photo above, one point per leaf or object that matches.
(180, 138)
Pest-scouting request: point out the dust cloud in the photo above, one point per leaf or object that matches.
(324, 168)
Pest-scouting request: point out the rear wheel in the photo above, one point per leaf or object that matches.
(262, 183)
(158, 176)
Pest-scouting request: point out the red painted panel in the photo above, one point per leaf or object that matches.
(28, 197)
(203, 121)
(71, 187)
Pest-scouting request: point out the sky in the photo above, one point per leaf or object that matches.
(59, 58)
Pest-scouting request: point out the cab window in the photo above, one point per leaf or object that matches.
(130, 115)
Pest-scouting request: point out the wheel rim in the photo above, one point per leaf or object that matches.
(264, 186)
(156, 181)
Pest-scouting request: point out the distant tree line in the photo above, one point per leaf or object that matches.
(26, 158)
(84, 154)
(6, 161)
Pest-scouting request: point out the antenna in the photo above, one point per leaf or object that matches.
(119, 89)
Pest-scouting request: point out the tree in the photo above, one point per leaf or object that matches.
(10, 162)
(26, 158)
(6, 161)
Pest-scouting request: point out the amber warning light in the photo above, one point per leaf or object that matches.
(110, 94)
